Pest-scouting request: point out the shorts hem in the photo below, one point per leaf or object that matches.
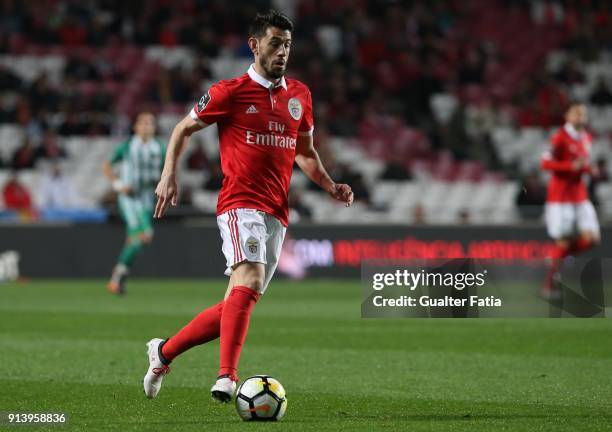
(230, 269)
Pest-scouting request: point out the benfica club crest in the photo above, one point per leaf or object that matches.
(295, 108)
(252, 246)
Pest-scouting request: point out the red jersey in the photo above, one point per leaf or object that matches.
(567, 183)
(16, 197)
(258, 123)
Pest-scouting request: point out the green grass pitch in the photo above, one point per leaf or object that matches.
(69, 346)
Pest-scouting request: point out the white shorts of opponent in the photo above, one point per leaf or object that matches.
(251, 235)
(564, 220)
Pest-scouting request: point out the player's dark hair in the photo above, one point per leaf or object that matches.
(573, 103)
(272, 18)
(135, 117)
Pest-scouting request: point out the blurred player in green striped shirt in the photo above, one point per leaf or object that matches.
(140, 160)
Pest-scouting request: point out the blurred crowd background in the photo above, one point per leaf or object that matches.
(436, 112)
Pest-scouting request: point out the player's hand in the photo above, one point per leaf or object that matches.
(342, 192)
(581, 164)
(167, 193)
(120, 187)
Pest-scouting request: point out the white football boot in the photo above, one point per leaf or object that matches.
(224, 389)
(153, 379)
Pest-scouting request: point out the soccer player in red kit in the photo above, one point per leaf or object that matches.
(570, 216)
(265, 123)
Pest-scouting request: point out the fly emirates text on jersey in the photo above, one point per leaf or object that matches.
(275, 138)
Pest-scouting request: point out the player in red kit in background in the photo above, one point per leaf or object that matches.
(265, 123)
(570, 216)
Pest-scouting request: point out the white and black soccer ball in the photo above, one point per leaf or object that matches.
(261, 397)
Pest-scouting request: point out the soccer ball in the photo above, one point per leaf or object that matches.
(261, 397)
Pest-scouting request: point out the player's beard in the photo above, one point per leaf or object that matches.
(268, 66)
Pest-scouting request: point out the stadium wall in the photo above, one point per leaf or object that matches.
(194, 251)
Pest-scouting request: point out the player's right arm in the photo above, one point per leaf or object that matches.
(212, 107)
(563, 166)
(109, 173)
(167, 189)
(556, 161)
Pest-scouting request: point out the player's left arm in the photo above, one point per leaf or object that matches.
(307, 158)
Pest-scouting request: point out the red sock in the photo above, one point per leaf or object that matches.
(581, 245)
(234, 327)
(203, 328)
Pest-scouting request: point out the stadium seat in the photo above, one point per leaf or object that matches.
(167, 121)
(299, 180)
(205, 201)
(384, 192)
(192, 179)
(443, 106)
(11, 137)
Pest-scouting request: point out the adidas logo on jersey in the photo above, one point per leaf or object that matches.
(252, 110)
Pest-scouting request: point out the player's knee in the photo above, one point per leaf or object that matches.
(563, 243)
(253, 281)
(590, 238)
(133, 240)
(250, 275)
(146, 237)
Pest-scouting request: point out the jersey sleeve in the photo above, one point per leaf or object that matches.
(213, 106)
(556, 159)
(164, 150)
(307, 124)
(119, 152)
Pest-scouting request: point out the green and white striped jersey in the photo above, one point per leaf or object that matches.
(141, 163)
